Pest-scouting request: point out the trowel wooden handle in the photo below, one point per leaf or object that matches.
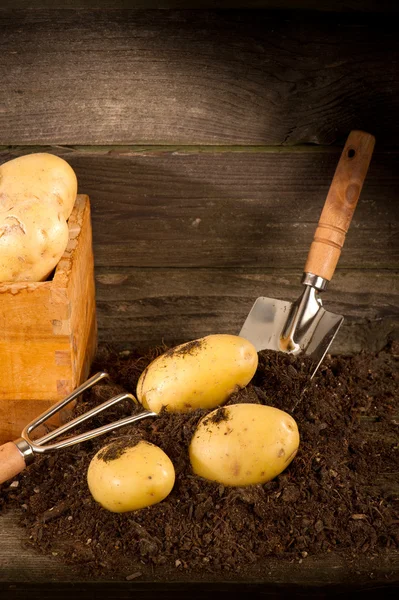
(340, 204)
(11, 461)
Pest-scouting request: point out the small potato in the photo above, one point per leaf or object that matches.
(244, 444)
(123, 478)
(199, 374)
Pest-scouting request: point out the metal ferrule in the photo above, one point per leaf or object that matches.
(26, 450)
(301, 320)
(319, 283)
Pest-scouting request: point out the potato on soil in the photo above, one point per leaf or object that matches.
(123, 477)
(244, 444)
(199, 374)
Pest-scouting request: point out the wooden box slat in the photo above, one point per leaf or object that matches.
(196, 77)
(143, 307)
(254, 208)
(385, 6)
(185, 240)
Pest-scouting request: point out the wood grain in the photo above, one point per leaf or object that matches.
(388, 6)
(11, 462)
(142, 307)
(340, 205)
(196, 77)
(185, 241)
(253, 209)
(196, 591)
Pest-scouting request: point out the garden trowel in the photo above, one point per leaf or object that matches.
(304, 326)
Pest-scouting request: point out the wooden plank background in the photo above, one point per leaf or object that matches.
(204, 141)
(196, 77)
(386, 6)
(184, 241)
(173, 208)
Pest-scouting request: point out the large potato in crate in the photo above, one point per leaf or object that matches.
(37, 195)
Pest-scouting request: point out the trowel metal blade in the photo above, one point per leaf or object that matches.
(266, 322)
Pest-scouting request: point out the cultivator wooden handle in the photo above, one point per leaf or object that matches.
(340, 205)
(11, 461)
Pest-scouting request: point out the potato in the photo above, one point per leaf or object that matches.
(243, 444)
(123, 477)
(199, 374)
(37, 194)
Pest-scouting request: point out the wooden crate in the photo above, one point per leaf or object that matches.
(48, 331)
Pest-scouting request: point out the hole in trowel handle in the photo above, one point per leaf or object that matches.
(351, 153)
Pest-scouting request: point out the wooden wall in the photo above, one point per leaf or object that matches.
(207, 140)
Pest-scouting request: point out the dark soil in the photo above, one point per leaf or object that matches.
(185, 349)
(338, 495)
(117, 448)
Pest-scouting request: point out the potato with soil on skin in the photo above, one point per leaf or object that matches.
(124, 478)
(198, 374)
(244, 444)
(37, 195)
